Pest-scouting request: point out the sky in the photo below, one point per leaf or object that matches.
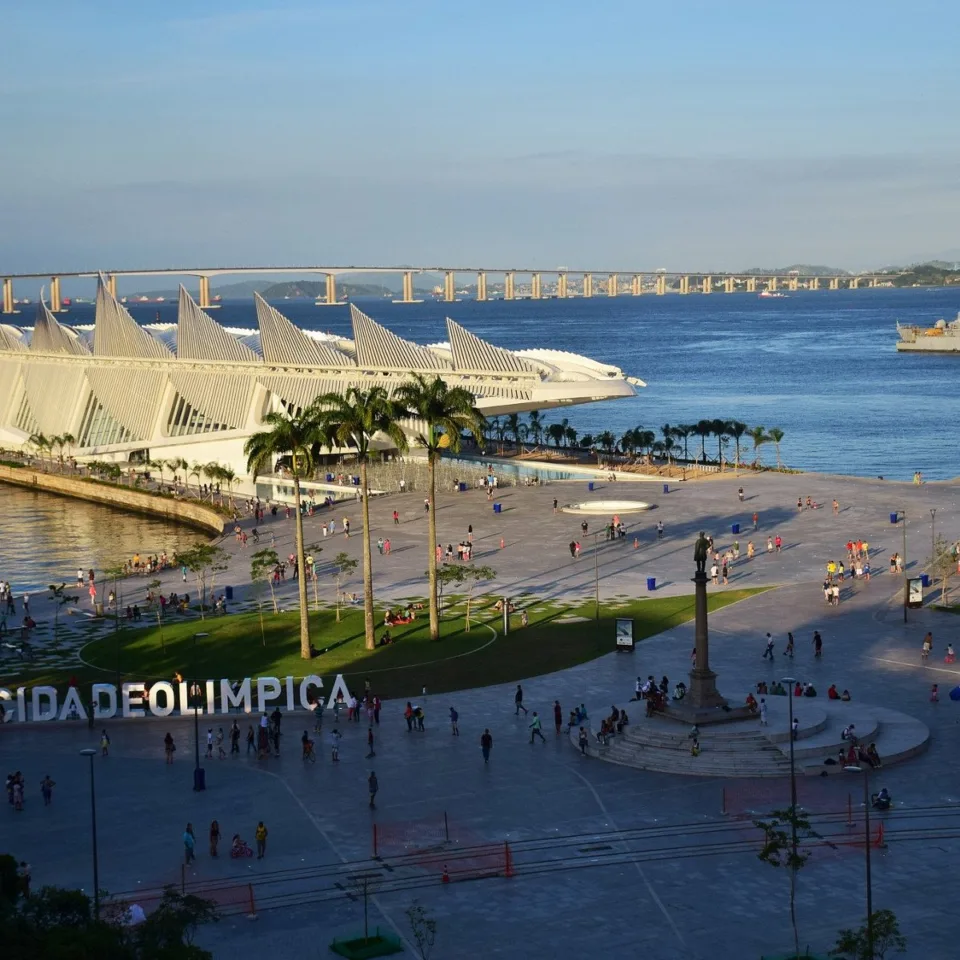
(611, 136)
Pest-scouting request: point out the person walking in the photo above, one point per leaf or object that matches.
(46, 789)
(817, 644)
(335, 738)
(251, 740)
(756, 521)
(486, 742)
(408, 716)
(769, 651)
(189, 844)
(209, 754)
(168, 747)
(557, 716)
(104, 743)
(583, 739)
(788, 650)
(261, 837)
(763, 712)
(214, 837)
(370, 751)
(235, 738)
(927, 646)
(518, 702)
(535, 730)
(221, 753)
(454, 722)
(373, 786)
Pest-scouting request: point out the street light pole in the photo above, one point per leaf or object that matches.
(91, 753)
(790, 681)
(906, 580)
(596, 573)
(866, 827)
(199, 780)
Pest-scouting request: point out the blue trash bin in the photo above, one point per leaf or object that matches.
(356, 481)
(496, 507)
(735, 528)
(651, 583)
(590, 485)
(329, 478)
(893, 517)
(463, 488)
(229, 592)
(924, 580)
(666, 488)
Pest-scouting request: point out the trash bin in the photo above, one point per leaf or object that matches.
(356, 481)
(666, 488)
(735, 528)
(590, 485)
(924, 580)
(228, 591)
(496, 507)
(199, 778)
(98, 609)
(329, 478)
(893, 517)
(463, 487)
(651, 583)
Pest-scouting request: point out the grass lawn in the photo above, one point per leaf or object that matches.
(234, 647)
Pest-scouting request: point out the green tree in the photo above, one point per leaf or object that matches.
(353, 419)
(720, 429)
(229, 477)
(570, 435)
(446, 412)
(343, 566)
(759, 437)
(607, 440)
(703, 429)
(262, 565)
(154, 586)
(942, 565)
(683, 433)
(628, 442)
(298, 437)
(423, 927)
(60, 599)
(204, 561)
(40, 443)
(167, 934)
(737, 429)
(556, 433)
(776, 435)
(856, 944)
(178, 463)
(468, 575)
(536, 427)
(516, 429)
(783, 832)
(587, 441)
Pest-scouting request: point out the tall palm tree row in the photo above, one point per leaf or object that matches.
(297, 437)
(445, 412)
(353, 420)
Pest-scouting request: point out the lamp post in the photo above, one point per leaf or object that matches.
(199, 779)
(901, 516)
(933, 543)
(790, 681)
(853, 768)
(596, 573)
(91, 753)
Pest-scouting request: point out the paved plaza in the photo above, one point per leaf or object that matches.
(608, 860)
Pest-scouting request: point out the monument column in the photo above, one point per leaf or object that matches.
(703, 693)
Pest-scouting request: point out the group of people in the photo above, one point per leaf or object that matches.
(614, 723)
(238, 847)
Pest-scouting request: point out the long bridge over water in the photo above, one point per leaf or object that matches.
(534, 284)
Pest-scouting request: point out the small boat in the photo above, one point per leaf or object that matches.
(771, 295)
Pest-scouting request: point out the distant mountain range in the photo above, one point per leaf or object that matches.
(808, 270)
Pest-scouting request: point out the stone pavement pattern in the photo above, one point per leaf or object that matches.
(685, 904)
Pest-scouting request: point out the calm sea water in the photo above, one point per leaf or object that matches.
(46, 538)
(820, 365)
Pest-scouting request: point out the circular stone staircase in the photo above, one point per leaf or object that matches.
(744, 748)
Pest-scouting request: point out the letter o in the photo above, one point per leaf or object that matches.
(165, 687)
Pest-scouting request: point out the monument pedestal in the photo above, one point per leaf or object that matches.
(703, 703)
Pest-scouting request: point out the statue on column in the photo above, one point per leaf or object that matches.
(700, 553)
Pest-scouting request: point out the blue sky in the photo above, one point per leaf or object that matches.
(693, 135)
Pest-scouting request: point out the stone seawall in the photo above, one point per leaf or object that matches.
(135, 501)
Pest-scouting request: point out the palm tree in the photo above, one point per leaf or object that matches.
(39, 442)
(515, 427)
(297, 437)
(683, 433)
(776, 435)
(229, 477)
(352, 420)
(759, 437)
(703, 429)
(178, 463)
(628, 442)
(446, 413)
(737, 429)
(570, 435)
(536, 427)
(556, 432)
(195, 470)
(720, 429)
(667, 432)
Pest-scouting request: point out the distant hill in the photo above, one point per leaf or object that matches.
(318, 288)
(935, 274)
(808, 270)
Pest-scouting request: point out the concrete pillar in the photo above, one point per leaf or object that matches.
(772, 284)
(407, 287)
(7, 295)
(873, 281)
(112, 285)
(661, 287)
(613, 285)
(729, 284)
(588, 284)
(562, 286)
(751, 284)
(535, 286)
(706, 285)
(204, 293)
(509, 285)
(834, 283)
(449, 287)
(636, 285)
(684, 284)
(792, 283)
(55, 305)
(481, 286)
(331, 288)
(814, 283)
(854, 283)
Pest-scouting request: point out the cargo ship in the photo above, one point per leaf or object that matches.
(942, 337)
